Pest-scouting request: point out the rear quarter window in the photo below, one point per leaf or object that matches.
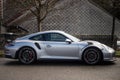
(37, 38)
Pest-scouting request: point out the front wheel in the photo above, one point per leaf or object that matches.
(27, 55)
(92, 56)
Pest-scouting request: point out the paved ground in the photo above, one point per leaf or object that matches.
(58, 70)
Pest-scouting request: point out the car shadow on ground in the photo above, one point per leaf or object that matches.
(57, 63)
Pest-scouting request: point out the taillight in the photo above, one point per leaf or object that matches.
(10, 43)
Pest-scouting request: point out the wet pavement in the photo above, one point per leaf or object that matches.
(58, 70)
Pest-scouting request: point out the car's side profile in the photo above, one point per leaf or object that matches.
(57, 45)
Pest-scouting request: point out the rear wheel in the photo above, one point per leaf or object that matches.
(92, 56)
(27, 55)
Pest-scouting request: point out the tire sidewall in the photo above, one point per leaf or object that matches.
(21, 53)
(98, 54)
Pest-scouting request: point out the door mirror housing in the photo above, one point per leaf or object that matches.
(68, 41)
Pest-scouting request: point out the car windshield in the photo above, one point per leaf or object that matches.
(72, 37)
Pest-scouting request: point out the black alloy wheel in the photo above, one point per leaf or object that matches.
(92, 56)
(27, 55)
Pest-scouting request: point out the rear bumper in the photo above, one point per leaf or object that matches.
(9, 52)
(8, 56)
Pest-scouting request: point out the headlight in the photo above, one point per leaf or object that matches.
(106, 47)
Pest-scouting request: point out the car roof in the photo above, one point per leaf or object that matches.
(42, 32)
(51, 31)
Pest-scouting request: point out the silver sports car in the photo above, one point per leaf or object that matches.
(57, 45)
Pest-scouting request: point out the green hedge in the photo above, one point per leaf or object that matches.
(1, 53)
(118, 53)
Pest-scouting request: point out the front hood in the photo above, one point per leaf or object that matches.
(90, 42)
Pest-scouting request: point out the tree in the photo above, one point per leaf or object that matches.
(115, 11)
(112, 6)
(39, 8)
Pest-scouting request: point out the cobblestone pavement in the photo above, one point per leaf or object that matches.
(58, 70)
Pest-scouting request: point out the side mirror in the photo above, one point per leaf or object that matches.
(68, 41)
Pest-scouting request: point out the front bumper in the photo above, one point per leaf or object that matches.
(109, 56)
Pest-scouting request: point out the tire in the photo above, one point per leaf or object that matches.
(92, 56)
(27, 55)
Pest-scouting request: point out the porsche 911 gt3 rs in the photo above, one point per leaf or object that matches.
(57, 44)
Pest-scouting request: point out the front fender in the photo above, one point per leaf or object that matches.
(83, 48)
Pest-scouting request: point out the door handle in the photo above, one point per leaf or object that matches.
(48, 46)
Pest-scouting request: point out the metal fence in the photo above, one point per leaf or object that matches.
(80, 18)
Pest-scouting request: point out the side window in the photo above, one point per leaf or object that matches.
(37, 38)
(55, 37)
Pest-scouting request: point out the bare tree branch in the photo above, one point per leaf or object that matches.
(40, 10)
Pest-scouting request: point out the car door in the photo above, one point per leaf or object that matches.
(55, 45)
